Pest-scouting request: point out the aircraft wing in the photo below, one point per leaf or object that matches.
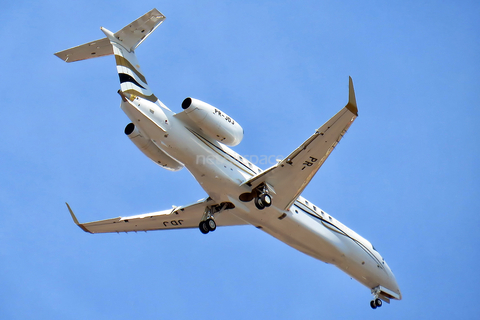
(176, 218)
(288, 178)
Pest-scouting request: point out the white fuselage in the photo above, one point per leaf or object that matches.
(221, 172)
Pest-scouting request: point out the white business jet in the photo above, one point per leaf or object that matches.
(239, 192)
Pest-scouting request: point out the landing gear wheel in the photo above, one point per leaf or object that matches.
(266, 200)
(203, 227)
(211, 225)
(259, 203)
(378, 302)
(373, 304)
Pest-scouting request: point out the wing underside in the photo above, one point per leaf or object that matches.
(175, 218)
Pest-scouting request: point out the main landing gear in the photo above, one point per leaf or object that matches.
(262, 201)
(260, 196)
(208, 224)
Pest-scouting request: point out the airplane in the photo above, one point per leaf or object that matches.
(239, 192)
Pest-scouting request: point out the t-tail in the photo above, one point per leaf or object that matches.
(122, 44)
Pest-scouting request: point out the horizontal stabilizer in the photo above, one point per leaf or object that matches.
(136, 32)
(89, 50)
(130, 37)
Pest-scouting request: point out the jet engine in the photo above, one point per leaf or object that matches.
(212, 122)
(151, 150)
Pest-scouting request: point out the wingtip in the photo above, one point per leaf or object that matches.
(72, 214)
(352, 102)
(75, 219)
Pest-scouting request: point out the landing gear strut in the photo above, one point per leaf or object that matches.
(376, 302)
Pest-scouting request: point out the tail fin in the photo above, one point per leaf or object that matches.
(122, 44)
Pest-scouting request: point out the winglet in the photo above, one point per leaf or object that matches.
(75, 219)
(352, 102)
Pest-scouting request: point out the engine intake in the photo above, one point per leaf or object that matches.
(151, 150)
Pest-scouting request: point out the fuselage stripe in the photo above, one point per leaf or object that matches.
(121, 61)
(128, 78)
(340, 231)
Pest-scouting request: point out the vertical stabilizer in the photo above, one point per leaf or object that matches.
(132, 80)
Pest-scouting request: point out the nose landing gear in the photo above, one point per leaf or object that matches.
(376, 303)
(379, 294)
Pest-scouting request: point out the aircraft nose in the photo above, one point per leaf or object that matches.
(396, 288)
(393, 284)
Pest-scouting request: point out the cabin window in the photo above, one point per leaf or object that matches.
(314, 208)
(329, 218)
(249, 164)
(259, 171)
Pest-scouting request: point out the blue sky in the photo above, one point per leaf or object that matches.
(405, 176)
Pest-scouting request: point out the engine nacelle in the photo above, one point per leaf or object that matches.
(151, 150)
(214, 123)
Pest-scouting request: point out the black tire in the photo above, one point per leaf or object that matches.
(373, 304)
(203, 227)
(266, 200)
(378, 302)
(211, 225)
(259, 203)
